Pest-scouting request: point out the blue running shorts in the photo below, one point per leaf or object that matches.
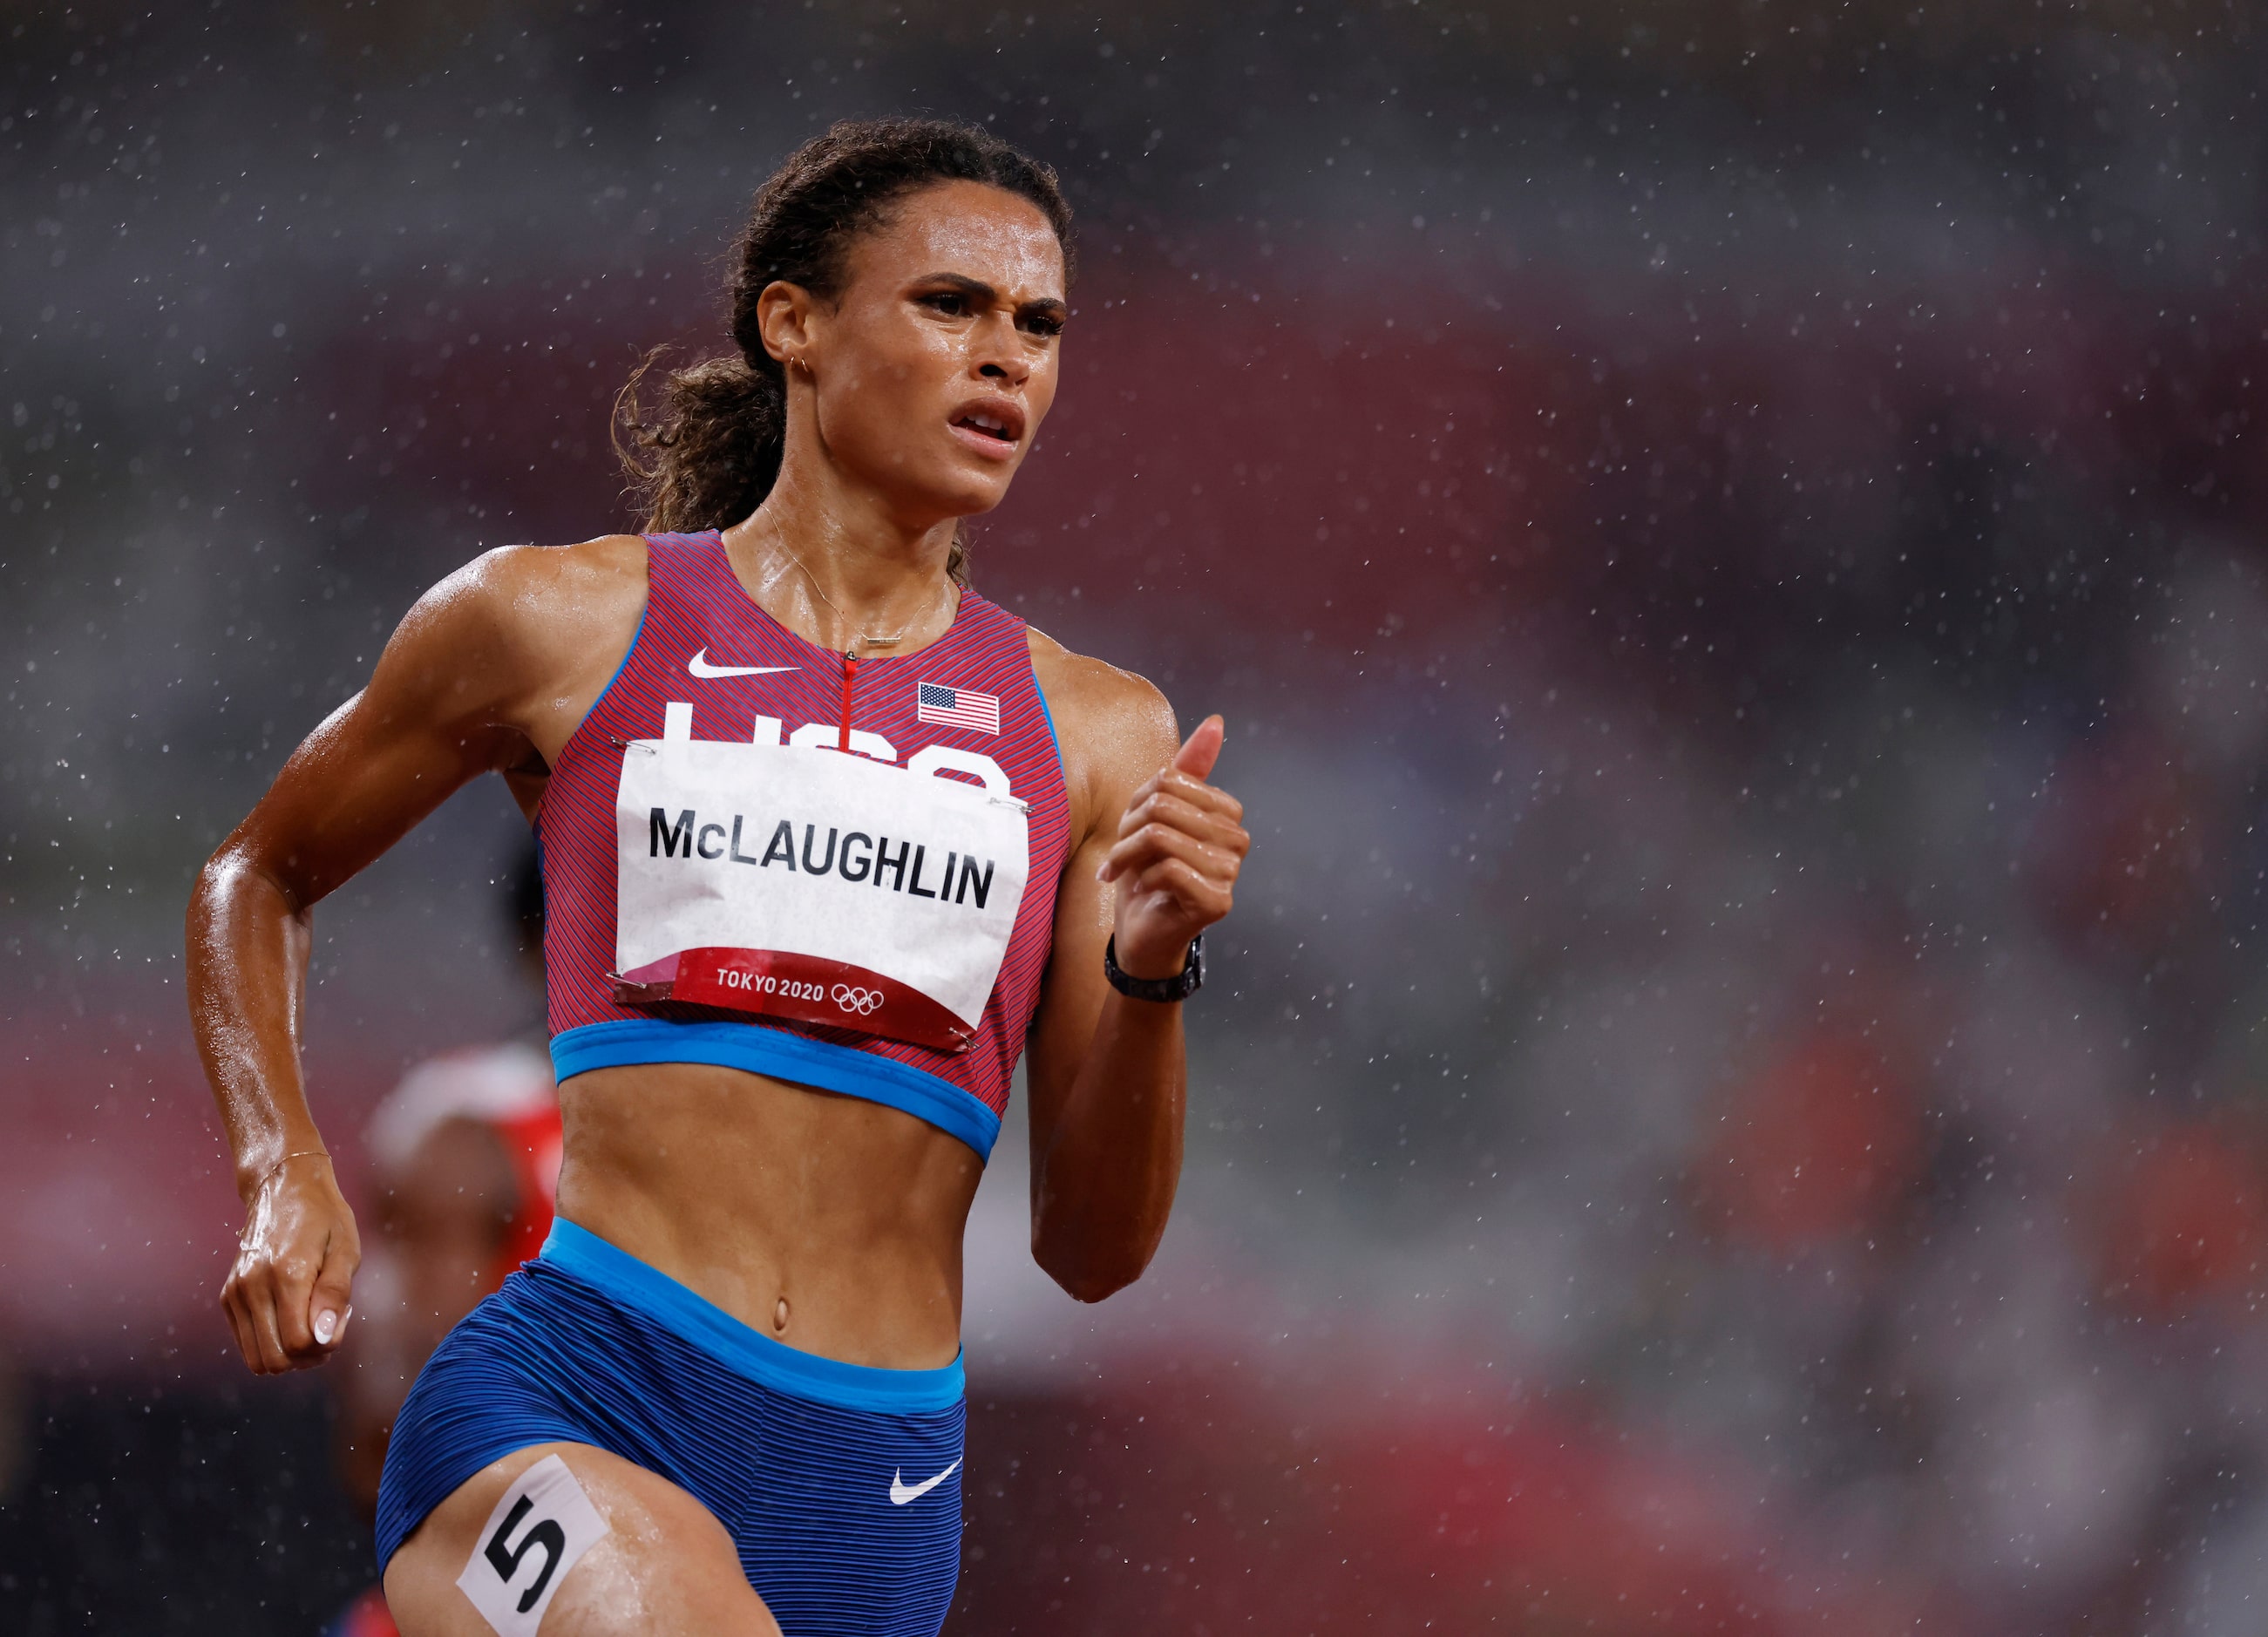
(839, 1483)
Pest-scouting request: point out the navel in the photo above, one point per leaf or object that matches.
(780, 1316)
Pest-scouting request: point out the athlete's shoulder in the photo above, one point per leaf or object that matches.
(513, 622)
(1111, 698)
(605, 565)
(512, 592)
(1116, 728)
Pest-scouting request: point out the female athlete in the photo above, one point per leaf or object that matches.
(827, 839)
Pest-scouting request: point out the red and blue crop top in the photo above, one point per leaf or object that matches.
(705, 643)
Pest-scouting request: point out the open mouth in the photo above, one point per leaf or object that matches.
(993, 425)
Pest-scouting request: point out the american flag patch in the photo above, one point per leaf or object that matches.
(959, 707)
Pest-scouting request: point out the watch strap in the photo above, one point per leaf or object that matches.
(1181, 986)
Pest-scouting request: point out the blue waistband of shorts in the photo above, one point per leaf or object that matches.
(622, 1276)
(952, 1109)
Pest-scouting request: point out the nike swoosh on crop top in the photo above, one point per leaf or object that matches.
(943, 696)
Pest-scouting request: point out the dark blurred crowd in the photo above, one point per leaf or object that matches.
(1730, 548)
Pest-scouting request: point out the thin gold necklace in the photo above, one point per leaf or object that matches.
(863, 638)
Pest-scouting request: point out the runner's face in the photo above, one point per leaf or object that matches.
(939, 363)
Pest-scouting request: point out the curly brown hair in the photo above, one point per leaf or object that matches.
(711, 451)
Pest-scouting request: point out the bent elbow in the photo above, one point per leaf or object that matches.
(1091, 1287)
(1088, 1279)
(222, 876)
(208, 894)
(237, 867)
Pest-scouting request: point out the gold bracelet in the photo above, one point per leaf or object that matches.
(268, 1176)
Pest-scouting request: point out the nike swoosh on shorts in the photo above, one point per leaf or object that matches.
(902, 1491)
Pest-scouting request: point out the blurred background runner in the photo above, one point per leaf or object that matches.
(464, 1157)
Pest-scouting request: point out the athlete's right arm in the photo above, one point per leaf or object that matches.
(472, 681)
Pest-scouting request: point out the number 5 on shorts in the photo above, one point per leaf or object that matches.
(543, 1523)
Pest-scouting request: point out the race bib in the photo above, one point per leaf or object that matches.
(536, 1533)
(800, 882)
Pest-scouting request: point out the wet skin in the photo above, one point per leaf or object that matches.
(829, 1222)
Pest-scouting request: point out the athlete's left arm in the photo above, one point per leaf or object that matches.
(1154, 859)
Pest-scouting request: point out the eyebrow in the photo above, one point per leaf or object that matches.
(977, 290)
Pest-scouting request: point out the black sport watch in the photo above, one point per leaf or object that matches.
(1181, 986)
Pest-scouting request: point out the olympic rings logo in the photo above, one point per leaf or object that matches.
(853, 999)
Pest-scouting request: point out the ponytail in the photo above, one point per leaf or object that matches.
(711, 451)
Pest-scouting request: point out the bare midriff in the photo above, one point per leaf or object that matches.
(829, 1223)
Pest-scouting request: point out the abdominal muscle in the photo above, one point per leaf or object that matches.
(829, 1223)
